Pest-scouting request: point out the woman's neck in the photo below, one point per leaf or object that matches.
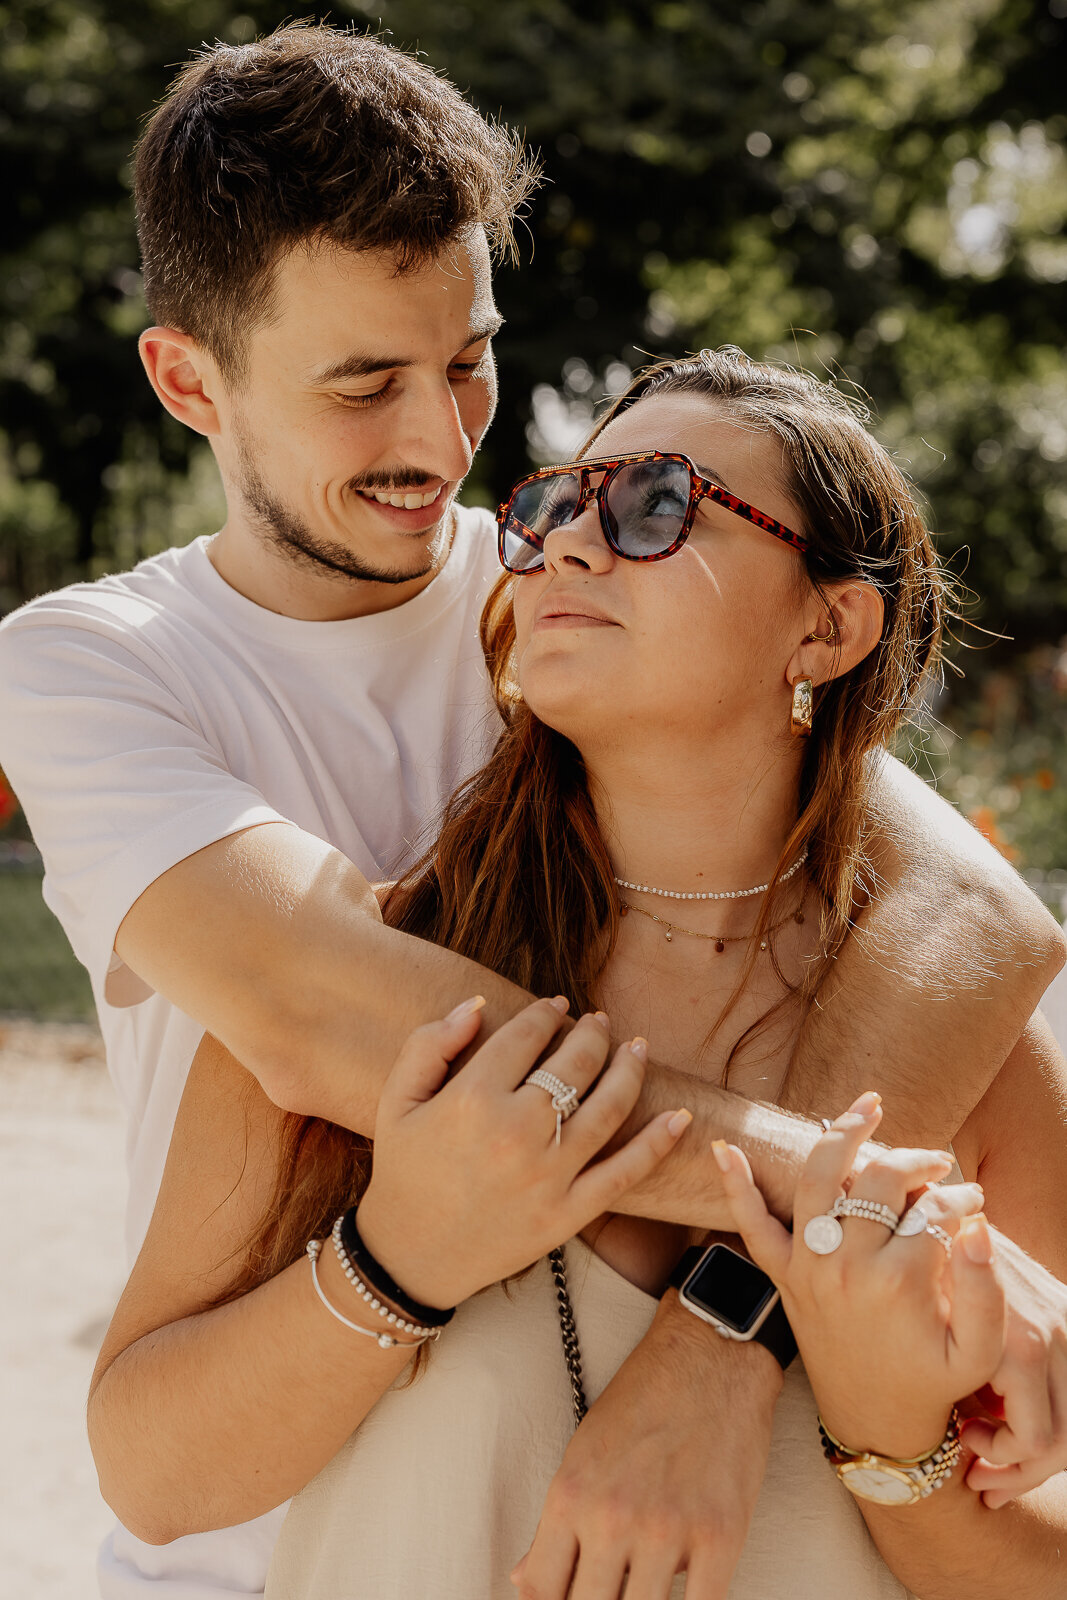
(711, 822)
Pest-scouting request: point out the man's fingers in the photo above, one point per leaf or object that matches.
(998, 1485)
(978, 1306)
(768, 1243)
(1027, 1429)
(946, 1207)
(422, 1065)
(708, 1574)
(604, 1184)
(601, 1573)
(544, 1573)
(652, 1572)
(980, 1436)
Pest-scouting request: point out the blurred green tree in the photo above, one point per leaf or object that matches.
(872, 188)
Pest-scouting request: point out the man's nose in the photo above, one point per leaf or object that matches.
(579, 542)
(434, 438)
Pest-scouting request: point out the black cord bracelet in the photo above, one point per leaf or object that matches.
(375, 1277)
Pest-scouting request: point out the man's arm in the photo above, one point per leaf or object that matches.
(281, 954)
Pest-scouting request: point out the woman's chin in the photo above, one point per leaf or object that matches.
(570, 712)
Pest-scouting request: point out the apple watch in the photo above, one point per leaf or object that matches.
(723, 1288)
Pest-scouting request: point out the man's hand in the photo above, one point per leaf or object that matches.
(1030, 1444)
(664, 1473)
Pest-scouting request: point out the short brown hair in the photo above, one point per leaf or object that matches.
(312, 133)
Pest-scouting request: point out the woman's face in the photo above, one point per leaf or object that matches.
(691, 646)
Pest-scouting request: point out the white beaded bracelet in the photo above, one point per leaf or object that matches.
(385, 1340)
(365, 1291)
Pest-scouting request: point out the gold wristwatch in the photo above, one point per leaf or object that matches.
(889, 1482)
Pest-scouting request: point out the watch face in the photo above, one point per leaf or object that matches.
(730, 1289)
(881, 1484)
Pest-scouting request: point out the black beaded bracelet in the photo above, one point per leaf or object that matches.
(375, 1276)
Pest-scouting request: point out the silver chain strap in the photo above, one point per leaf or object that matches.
(572, 1352)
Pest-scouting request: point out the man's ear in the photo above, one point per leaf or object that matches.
(185, 378)
(847, 621)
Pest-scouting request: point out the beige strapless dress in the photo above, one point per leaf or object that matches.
(438, 1494)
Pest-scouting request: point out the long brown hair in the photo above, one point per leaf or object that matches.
(519, 878)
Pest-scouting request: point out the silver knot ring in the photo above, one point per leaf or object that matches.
(916, 1221)
(565, 1098)
(823, 1234)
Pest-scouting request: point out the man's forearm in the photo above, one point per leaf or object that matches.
(686, 1187)
(273, 941)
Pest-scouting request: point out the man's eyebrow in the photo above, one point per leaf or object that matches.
(359, 364)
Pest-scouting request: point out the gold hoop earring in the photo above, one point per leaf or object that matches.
(823, 638)
(800, 712)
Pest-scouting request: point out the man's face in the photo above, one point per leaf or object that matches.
(364, 399)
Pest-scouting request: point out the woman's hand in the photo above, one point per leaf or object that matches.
(892, 1331)
(468, 1183)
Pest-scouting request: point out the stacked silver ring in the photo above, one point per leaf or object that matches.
(823, 1234)
(565, 1098)
(870, 1210)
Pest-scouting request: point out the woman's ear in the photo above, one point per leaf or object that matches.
(847, 621)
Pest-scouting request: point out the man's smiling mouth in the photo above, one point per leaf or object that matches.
(410, 500)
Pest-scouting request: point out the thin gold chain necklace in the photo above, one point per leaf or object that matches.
(719, 940)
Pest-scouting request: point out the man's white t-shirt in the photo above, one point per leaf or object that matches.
(148, 715)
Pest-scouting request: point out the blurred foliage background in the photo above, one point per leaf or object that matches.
(873, 189)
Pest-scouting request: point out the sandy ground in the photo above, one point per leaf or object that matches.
(62, 1192)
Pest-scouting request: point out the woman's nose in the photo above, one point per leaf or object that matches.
(579, 542)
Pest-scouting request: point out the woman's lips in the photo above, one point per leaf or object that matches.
(557, 609)
(572, 619)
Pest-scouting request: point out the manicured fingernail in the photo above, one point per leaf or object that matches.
(721, 1154)
(561, 1003)
(866, 1105)
(679, 1122)
(466, 1008)
(977, 1242)
(639, 1048)
(602, 1018)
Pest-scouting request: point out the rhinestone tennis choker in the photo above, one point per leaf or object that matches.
(726, 894)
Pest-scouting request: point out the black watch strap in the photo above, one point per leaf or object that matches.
(775, 1335)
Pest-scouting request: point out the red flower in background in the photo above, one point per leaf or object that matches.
(8, 804)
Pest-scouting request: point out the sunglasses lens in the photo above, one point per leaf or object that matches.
(532, 514)
(646, 503)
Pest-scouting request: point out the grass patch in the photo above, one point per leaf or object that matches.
(39, 974)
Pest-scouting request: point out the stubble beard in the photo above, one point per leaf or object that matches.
(289, 536)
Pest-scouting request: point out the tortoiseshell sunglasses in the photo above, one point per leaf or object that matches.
(646, 502)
